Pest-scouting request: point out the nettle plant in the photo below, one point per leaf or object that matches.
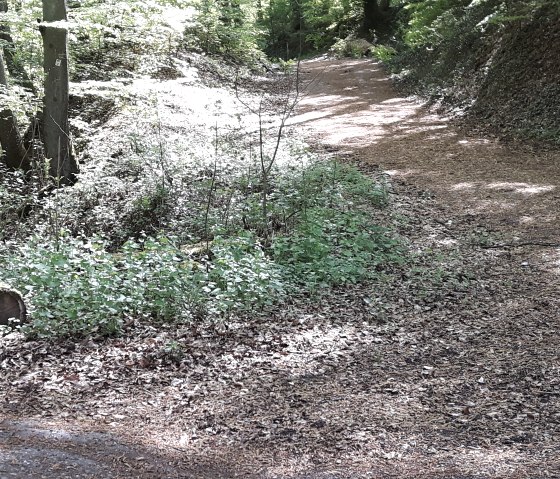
(76, 287)
(334, 238)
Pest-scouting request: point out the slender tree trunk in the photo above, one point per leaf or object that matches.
(15, 155)
(56, 131)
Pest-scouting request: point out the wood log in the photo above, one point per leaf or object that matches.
(12, 307)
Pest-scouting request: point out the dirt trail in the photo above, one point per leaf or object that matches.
(450, 372)
(352, 107)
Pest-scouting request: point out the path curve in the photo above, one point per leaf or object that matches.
(463, 386)
(351, 107)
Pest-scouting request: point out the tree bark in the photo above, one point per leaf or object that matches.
(15, 154)
(384, 5)
(12, 306)
(56, 131)
(54, 10)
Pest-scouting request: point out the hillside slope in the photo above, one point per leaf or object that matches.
(521, 93)
(503, 76)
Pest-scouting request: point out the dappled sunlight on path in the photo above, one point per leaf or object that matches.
(443, 366)
(363, 110)
(351, 107)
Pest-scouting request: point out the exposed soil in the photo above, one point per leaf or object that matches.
(449, 369)
(513, 189)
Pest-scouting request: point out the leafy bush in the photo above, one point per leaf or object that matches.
(241, 277)
(113, 248)
(384, 53)
(76, 287)
(296, 28)
(148, 212)
(106, 39)
(332, 247)
(334, 238)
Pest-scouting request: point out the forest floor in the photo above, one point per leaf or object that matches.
(451, 370)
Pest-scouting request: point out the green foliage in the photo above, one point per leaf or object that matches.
(27, 47)
(432, 20)
(226, 28)
(106, 39)
(384, 53)
(334, 238)
(296, 27)
(324, 233)
(333, 247)
(76, 287)
(442, 40)
(325, 20)
(17, 198)
(241, 277)
(118, 38)
(148, 212)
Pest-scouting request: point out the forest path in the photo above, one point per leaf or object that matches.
(351, 107)
(447, 370)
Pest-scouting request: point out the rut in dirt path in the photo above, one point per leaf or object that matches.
(352, 108)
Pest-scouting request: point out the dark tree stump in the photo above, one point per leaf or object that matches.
(12, 306)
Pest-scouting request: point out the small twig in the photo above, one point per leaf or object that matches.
(210, 195)
(517, 245)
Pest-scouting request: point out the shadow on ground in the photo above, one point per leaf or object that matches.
(351, 107)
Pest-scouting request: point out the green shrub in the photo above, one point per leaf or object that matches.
(333, 237)
(384, 53)
(320, 230)
(76, 287)
(333, 247)
(148, 213)
(241, 277)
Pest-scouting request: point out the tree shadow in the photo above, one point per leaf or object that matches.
(35, 449)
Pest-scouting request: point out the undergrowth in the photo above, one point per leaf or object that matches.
(168, 230)
(208, 254)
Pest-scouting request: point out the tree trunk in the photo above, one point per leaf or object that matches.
(384, 5)
(54, 10)
(15, 155)
(56, 131)
(375, 16)
(16, 70)
(11, 306)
